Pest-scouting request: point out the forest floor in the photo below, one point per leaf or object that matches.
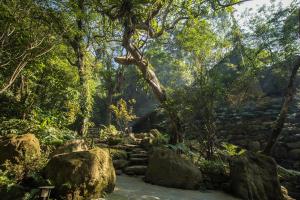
(133, 188)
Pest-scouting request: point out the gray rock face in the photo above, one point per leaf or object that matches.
(294, 145)
(166, 168)
(254, 177)
(294, 154)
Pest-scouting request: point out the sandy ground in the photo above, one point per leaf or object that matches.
(131, 188)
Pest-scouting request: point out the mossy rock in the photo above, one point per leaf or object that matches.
(254, 177)
(117, 154)
(70, 146)
(166, 168)
(17, 148)
(82, 174)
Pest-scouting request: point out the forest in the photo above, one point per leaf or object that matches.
(149, 99)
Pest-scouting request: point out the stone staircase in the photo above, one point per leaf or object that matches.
(136, 163)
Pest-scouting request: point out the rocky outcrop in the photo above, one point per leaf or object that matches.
(254, 177)
(290, 180)
(166, 168)
(251, 125)
(17, 148)
(82, 174)
(71, 146)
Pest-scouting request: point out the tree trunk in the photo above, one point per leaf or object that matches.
(109, 102)
(151, 78)
(284, 110)
(79, 48)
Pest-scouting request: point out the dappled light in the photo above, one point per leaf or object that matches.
(149, 99)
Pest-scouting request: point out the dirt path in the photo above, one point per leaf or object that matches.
(130, 188)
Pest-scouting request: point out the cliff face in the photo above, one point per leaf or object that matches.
(250, 127)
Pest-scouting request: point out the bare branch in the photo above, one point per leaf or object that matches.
(125, 60)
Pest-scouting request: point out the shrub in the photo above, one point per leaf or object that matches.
(231, 149)
(159, 138)
(123, 113)
(213, 166)
(16, 126)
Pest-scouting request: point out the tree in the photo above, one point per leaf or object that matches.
(72, 20)
(24, 37)
(290, 91)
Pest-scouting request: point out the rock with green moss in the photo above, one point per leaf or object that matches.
(254, 177)
(118, 154)
(166, 168)
(17, 148)
(71, 146)
(82, 174)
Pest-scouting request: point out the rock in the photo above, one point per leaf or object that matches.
(87, 174)
(285, 194)
(71, 146)
(138, 161)
(17, 148)
(279, 151)
(290, 179)
(254, 177)
(13, 192)
(146, 143)
(166, 168)
(136, 170)
(120, 164)
(294, 145)
(254, 146)
(118, 154)
(118, 172)
(294, 154)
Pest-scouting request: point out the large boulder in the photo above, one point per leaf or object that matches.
(82, 174)
(254, 177)
(71, 146)
(166, 168)
(17, 148)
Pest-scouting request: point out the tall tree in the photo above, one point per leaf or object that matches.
(145, 21)
(72, 20)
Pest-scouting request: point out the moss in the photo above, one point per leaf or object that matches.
(85, 173)
(16, 148)
(118, 154)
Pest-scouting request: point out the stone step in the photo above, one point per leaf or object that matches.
(138, 155)
(136, 170)
(138, 150)
(138, 161)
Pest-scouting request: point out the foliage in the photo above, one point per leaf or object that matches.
(118, 154)
(46, 130)
(110, 135)
(123, 114)
(15, 173)
(213, 166)
(181, 148)
(232, 150)
(108, 131)
(159, 137)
